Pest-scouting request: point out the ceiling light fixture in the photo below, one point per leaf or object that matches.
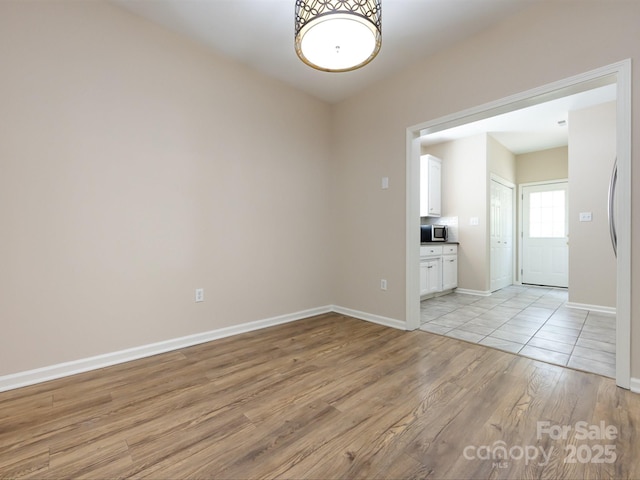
(338, 35)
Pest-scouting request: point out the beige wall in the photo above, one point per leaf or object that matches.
(550, 164)
(545, 44)
(501, 161)
(136, 166)
(464, 193)
(592, 151)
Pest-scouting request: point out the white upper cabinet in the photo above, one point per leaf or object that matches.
(430, 186)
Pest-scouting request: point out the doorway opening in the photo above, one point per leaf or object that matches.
(620, 75)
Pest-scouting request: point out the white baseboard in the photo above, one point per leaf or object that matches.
(593, 308)
(480, 293)
(634, 385)
(369, 317)
(44, 374)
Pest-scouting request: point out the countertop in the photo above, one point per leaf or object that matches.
(440, 243)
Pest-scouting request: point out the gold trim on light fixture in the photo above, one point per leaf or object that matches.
(338, 35)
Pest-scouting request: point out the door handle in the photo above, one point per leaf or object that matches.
(611, 208)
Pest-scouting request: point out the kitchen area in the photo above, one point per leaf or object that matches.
(438, 235)
(571, 327)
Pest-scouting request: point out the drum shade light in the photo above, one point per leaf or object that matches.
(338, 35)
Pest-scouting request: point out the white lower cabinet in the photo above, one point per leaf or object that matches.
(449, 272)
(438, 268)
(430, 275)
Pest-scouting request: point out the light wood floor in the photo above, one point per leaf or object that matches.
(329, 397)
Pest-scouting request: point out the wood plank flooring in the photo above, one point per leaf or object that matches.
(329, 397)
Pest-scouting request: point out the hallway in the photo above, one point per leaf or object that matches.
(530, 321)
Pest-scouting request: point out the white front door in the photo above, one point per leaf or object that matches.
(501, 235)
(545, 225)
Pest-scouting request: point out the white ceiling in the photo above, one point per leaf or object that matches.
(529, 129)
(259, 34)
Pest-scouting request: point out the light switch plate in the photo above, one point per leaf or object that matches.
(385, 183)
(585, 216)
(199, 295)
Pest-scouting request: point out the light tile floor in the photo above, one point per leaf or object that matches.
(530, 321)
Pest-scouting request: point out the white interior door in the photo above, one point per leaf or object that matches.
(545, 231)
(501, 233)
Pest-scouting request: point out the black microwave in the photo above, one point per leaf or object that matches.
(433, 233)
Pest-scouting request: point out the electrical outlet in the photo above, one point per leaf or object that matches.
(199, 294)
(383, 284)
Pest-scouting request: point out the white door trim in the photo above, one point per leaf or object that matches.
(499, 179)
(620, 72)
(527, 241)
(521, 226)
(521, 213)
